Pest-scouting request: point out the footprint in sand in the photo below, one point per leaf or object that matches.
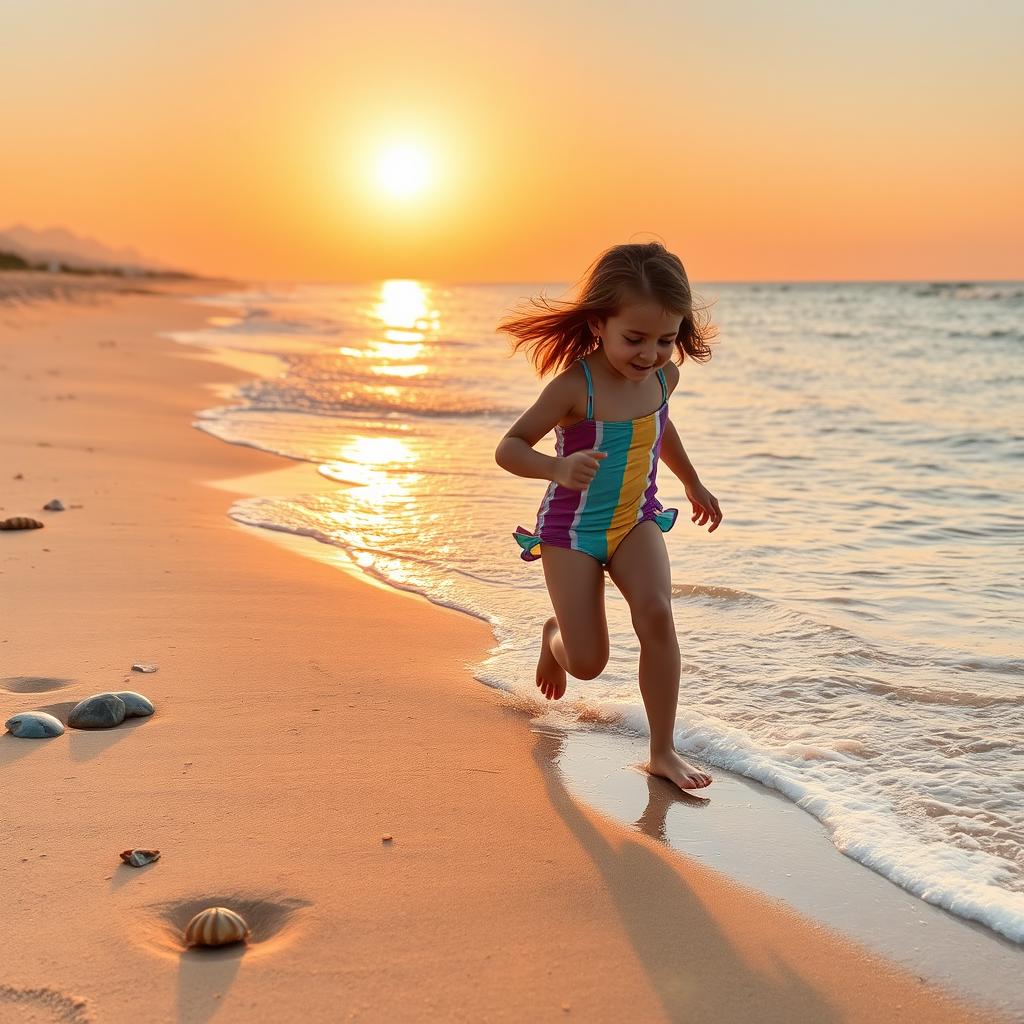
(42, 1006)
(32, 684)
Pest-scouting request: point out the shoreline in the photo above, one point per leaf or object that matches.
(797, 864)
(252, 648)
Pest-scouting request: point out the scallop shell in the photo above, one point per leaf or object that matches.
(216, 926)
(139, 858)
(20, 523)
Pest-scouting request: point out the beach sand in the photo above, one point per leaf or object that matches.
(302, 715)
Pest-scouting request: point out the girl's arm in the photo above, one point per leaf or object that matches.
(674, 456)
(705, 505)
(515, 451)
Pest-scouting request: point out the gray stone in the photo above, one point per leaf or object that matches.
(56, 505)
(135, 705)
(100, 711)
(34, 725)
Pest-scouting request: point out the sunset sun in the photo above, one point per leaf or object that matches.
(403, 170)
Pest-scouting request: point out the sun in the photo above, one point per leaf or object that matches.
(403, 170)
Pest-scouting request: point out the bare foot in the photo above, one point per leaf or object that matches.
(672, 767)
(550, 675)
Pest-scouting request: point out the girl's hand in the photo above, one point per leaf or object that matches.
(705, 506)
(577, 470)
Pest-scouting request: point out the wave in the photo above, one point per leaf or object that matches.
(981, 335)
(708, 590)
(973, 291)
(930, 695)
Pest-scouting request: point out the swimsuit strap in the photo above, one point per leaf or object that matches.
(590, 390)
(664, 390)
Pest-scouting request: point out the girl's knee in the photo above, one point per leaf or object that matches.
(654, 619)
(587, 663)
(587, 667)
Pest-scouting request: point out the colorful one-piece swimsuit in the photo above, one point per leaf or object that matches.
(622, 493)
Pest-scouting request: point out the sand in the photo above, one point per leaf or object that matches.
(302, 715)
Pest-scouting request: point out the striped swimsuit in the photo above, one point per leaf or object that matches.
(622, 493)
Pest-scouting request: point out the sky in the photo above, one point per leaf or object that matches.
(323, 140)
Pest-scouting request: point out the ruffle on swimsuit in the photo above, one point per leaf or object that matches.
(621, 495)
(530, 543)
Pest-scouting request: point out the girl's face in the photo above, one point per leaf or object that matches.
(638, 339)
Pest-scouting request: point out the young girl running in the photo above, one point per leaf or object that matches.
(614, 346)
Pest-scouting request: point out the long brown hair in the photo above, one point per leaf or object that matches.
(556, 337)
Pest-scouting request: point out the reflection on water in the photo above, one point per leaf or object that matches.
(404, 310)
(413, 370)
(377, 453)
(392, 350)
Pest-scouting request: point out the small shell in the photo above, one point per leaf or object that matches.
(139, 858)
(216, 926)
(55, 505)
(20, 523)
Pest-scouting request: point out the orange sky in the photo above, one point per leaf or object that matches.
(758, 141)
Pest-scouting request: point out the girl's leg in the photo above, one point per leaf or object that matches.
(641, 570)
(575, 639)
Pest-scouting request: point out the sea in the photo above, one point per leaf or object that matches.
(851, 635)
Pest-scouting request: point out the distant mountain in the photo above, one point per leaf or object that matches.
(60, 246)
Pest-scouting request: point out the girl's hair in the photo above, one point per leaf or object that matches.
(632, 272)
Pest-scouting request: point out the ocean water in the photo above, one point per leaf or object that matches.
(851, 635)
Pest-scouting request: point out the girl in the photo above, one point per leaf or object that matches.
(614, 345)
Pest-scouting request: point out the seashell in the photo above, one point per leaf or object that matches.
(216, 926)
(141, 666)
(135, 705)
(34, 725)
(20, 523)
(139, 858)
(100, 711)
(56, 505)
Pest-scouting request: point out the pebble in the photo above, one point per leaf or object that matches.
(139, 858)
(56, 505)
(135, 705)
(100, 711)
(141, 666)
(34, 725)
